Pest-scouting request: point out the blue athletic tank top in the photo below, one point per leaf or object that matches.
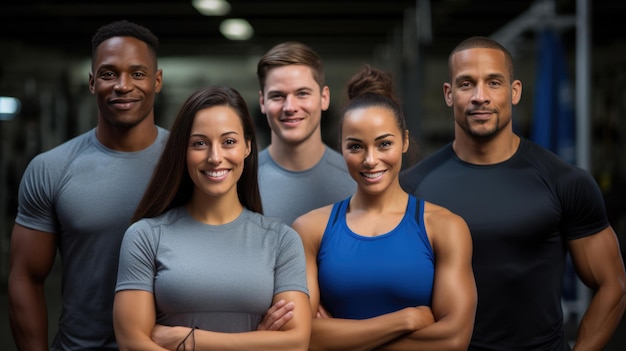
(362, 277)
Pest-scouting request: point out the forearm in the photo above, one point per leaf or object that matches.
(602, 317)
(262, 340)
(28, 316)
(427, 340)
(364, 334)
(451, 332)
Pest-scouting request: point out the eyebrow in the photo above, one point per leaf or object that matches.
(297, 90)
(469, 77)
(377, 138)
(223, 134)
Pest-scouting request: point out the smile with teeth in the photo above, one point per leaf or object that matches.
(372, 175)
(219, 173)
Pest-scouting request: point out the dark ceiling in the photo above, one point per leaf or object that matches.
(331, 27)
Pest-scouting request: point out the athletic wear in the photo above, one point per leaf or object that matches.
(86, 194)
(362, 277)
(288, 194)
(216, 277)
(521, 213)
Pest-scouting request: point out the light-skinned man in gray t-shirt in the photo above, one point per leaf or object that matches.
(298, 172)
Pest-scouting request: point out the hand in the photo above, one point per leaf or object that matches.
(277, 316)
(168, 337)
(419, 317)
(322, 313)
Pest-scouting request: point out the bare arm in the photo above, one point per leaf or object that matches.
(276, 316)
(598, 262)
(454, 292)
(346, 334)
(134, 319)
(294, 335)
(31, 259)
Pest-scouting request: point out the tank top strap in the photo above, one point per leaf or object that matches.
(416, 206)
(338, 211)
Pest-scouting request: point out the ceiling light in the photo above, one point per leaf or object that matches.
(212, 7)
(236, 29)
(9, 107)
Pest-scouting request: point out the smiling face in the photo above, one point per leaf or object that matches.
(481, 92)
(293, 103)
(372, 146)
(125, 80)
(216, 152)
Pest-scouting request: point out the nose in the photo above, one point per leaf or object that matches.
(215, 156)
(370, 159)
(290, 104)
(123, 83)
(481, 95)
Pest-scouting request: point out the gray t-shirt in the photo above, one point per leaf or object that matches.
(86, 194)
(216, 277)
(288, 194)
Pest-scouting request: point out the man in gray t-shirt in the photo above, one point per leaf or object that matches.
(297, 171)
(78, 198)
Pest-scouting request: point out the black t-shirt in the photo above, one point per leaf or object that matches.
(520, 213)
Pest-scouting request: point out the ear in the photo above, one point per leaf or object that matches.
(516, 91)
(159, 81)
(262, 101)
(447, 94)
(405, 142)
(248, 148)
(325, 98)
(92, 83)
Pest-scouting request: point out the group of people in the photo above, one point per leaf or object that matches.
(190, 238)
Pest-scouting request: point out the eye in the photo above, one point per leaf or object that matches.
(353, 147)
(385, 144)
(197, 143)
(275, 97)
(107, 75)
(139, 75)
(230, 142)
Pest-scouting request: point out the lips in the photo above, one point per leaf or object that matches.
(217, 173)
(123, 104)
(372, 175)
(481, 114)
(291, 120)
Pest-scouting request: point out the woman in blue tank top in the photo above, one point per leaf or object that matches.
(384, 269)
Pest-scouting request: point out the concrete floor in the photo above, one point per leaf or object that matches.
(53, 291)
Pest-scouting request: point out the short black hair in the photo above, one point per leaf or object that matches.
(124, 28)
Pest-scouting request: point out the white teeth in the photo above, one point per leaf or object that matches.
(373, 175)
(216, 174)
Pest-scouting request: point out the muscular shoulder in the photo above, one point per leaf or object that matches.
(312, 224)
(52, 163)
(442, 224)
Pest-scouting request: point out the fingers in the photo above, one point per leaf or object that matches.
(322, 313)
(277, 316)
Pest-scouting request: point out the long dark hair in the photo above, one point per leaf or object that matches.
(171, 185)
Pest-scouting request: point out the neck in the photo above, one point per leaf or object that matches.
(486, 152)
(297, 157)
(136, 138)
(214, 210)
(393, 199)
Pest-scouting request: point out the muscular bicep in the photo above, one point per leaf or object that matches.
(311, 228)
(32, 253)
(300, 325)
(597, 258)
(454, 292)
(134, 317)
